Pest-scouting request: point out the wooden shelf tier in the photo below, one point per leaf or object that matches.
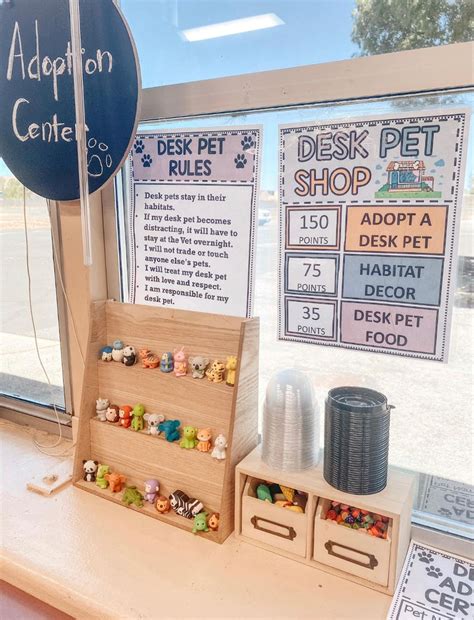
(231, 411)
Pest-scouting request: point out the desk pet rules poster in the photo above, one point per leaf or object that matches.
(193, 218)
(369, 224)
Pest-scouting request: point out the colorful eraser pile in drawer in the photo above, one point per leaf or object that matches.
(358, 519)
(282, 496)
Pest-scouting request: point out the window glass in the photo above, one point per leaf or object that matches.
(431, 425)
(21, 374)
(188, 40)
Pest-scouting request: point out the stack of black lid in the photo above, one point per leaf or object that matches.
(357, 427)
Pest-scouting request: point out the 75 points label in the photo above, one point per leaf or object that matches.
(311, 274)
(310, 319)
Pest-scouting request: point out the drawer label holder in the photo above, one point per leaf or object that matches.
(372, 560)
(290, 535)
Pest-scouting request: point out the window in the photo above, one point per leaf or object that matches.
(182, 41)
(21, 375)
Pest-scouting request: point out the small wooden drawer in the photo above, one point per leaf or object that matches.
(350, 550)
(270, 524)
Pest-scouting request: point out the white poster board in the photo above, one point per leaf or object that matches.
(193, 219)
(433, 586)
(369, 223)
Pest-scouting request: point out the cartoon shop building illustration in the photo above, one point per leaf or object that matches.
(408, 175)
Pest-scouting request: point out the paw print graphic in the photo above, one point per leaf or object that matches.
(138, 146)
(247, 143)
(425, 557)
(147, 160)
(240, 160)
(432, 571)
(98, 158)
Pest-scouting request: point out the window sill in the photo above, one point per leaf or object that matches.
(103, 561)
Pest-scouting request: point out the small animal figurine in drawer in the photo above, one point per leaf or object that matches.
(231, 367)
(189, 440)
(163, 504)
(101, 480)
(106, 354)
(219, 450)
(198, 366)
(132, 495)
(204, 437)
(125, 415)
(166, 364)
(152, 488)
(129, 356)
(148, 359)
(215, 373)
(153, 421)
(171, 429)
(137, 417)
(101, 406)
(90, 470)
(112, 414)
(185, 506)
(180, 363)
(116, 481)
(117, 350)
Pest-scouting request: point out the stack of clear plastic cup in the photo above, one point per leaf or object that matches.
(290, 440)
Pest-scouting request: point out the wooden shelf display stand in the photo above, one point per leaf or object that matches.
(231, 411)
(311, 539)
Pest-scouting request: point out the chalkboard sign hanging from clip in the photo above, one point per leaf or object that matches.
(38, 130)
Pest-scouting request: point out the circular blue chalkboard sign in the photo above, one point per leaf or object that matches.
(37, 114)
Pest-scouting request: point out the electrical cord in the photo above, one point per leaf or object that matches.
(42, 447)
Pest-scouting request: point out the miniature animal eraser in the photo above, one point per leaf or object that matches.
(189, 440)
(101, 406)
(152, 488)
(231, 367)
(117, 350)
(185, 506)
(112, 414)
(137, 417)
(204, 436)
(200, 523)
(166, 364)
(198, 366)
(116, 481)
(106, 354)
(163, 504)
(132, 495)
(263, 493)
(180, 362)
(213, 521)
(148, 359)
(219, 450)
(153, 421)
(215, 373)
(129, 356)
(101, 480)
(125, 415)
(171, 429)
(90, 470)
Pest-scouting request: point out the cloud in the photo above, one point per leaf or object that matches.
(377, 182)
(378, 166)
(440, 163)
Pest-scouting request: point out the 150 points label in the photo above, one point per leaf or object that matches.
(312, 228)
(310, 319)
